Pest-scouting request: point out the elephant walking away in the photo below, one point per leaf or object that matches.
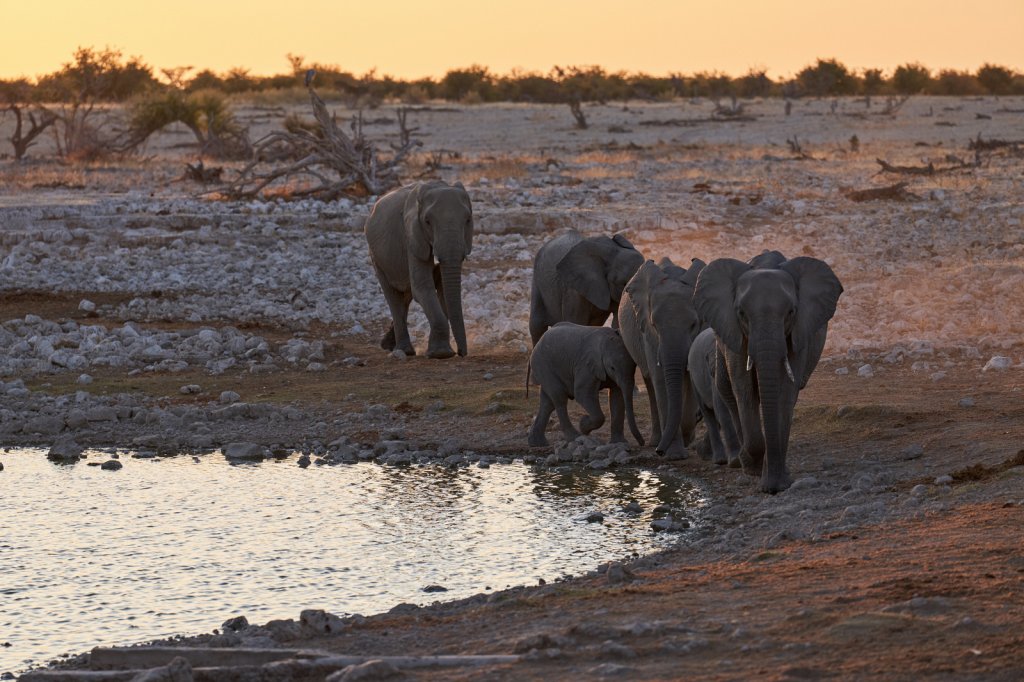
(658, 323)
(580, 279)
(771, 318)
(419, 235)
(576, 361)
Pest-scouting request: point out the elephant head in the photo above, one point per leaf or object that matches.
(599, 268)
(615, 365)
(439, 226)
(662, 300)
(769, 316)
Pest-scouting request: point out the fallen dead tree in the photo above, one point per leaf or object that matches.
(897, 192)
(979, 144)
(322, 161)
(930, 169)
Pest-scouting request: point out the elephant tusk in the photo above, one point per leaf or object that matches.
(789, 372)
(750, 362)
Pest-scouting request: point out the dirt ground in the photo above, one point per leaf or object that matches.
(873, 565)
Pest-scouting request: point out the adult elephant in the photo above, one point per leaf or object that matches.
(771, 317)
(658, 323)
(579, 280)
(418, 237)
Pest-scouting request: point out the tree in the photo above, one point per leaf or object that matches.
(827, 77)
(16, 97)
(910, 79)
(998, 80)
(93, 76)
(873, 82)
(461, 84)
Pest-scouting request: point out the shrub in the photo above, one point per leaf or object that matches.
(910, 79)
(827, 77)
(997, 80)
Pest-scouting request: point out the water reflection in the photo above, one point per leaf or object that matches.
(175, 545)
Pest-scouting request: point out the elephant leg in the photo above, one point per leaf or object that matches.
(719, 455)
(729, 438)
(617, 408)
(397, 335)
(538, 316)
(655, 418)
(540, 424)
(749, 416)
(726, 409)
(587, 395)
(569, 431)
(425, 293)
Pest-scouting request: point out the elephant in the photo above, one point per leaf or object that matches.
(703, 367)
(658, 323)
(577, 279)
(419, 235)
(770, 317)
(578, 361)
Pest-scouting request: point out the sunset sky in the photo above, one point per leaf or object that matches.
(410, 39)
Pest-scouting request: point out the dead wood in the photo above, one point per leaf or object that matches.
(897, 192)
(201, 174)
(981, 145)
(798, 151)
(325, 160)
(930, 169)
(22, 139)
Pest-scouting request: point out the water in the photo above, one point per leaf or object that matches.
(168, 546)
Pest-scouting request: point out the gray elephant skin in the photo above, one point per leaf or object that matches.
(576, 361)
(770, 317)
(703, 368)
(577, 279)
(658, 323)
(419, 235)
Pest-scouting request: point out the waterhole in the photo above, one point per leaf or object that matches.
(177, 545)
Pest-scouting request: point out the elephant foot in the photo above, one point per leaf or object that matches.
(387, 342)
(570, 435)
(537, 440)
(588, 424)
(775, 484)
(676, 450)
(735, 463)
(617, 438)
(441, 353)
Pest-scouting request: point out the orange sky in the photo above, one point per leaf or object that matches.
(413, 39)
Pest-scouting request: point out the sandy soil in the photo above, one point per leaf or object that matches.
(871, 566)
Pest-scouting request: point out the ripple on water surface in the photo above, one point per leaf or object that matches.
(173, 545)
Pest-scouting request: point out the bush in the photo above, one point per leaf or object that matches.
(827, 78)
(997, 80)
(911, 79)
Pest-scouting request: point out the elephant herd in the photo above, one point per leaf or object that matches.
(730, 342)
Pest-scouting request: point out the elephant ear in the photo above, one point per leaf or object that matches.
(419, 239)
(715, 299)
(692, 272)
(621, 240)
(818, 291)
(767, 260)
(639, 290)
(584, 268)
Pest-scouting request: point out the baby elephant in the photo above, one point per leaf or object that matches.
(703, 367)
(576, 361)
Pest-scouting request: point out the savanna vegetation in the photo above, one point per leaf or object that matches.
(101, 102)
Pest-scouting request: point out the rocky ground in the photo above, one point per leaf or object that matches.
(135, 313)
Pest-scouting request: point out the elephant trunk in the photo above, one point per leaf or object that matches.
(451, 281)
(769, 367)
(674, 365)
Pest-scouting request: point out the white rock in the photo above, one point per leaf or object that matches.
(998, 362)
(87, 306)
(245, 451)
(84, 379)
(865, 371)
(842, 371)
